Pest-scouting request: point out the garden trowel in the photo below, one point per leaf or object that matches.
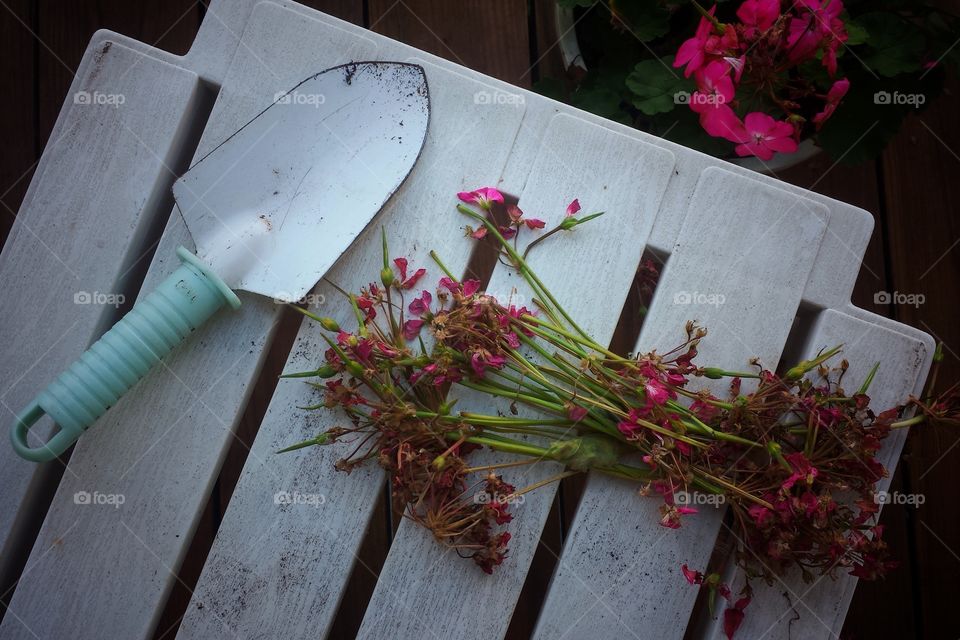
(271, 209)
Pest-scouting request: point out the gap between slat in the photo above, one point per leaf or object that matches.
(347, 620)
(156, 211)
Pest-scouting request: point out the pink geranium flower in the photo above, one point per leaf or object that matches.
(483, 197)
(722, 122)
(693, 52)
(714, 87)
(834, 96)
(758, 15)
(764, 136)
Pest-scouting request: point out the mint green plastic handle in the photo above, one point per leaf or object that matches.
(125, 353)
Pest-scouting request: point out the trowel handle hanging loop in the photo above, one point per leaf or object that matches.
(123, 355)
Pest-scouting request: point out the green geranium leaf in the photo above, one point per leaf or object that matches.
(856, 33)
(894, 46)
(656, 85)
(598, 99)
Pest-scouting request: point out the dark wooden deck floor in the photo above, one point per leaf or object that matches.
(915, 249)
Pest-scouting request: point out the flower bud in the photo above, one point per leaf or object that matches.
(326, 371)
(329, 324)
(386, 276)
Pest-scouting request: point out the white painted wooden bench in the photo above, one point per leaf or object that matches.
(100, 195)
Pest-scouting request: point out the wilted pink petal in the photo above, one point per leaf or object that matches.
(732, 619)
(411, 328)
(411, 282)
(479, 233)
(421, 305)
(401, 266)
(693, 577)
(656, 392)
(449, 284)
(534, 223)
(573, 207)
(470, 287)
(514, 212)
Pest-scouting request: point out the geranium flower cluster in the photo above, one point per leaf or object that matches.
(793, 457)
(754, 67)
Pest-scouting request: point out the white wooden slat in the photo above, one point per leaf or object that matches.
(424, 589)
(284, 568)
(84, 221)
(160, 447)
(219, 37)
(844, 242)
(620, 571)
(792, 608)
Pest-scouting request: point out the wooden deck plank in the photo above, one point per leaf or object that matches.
(919, 178)
(82, 240)
(162, 460)
(246, 584)
(452, 597)
(452, 30)
(792, 608)
(18, 127)
(620, 571)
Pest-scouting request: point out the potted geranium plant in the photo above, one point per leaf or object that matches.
(764, 80)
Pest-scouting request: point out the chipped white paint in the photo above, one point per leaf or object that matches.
(280, 571)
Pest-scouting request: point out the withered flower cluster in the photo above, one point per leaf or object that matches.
(792, 456)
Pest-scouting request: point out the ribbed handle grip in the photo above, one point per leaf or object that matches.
(125, 353)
